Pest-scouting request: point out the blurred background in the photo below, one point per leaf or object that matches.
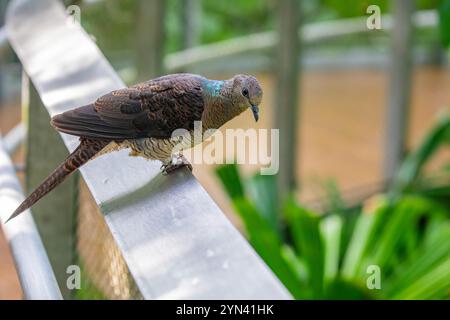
(364, 131)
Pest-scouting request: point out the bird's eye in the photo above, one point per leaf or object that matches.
(245, 92)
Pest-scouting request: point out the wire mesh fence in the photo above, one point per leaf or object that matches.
(105, 274)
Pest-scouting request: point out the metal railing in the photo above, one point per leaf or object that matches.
(310, 34)
(14, 138)
(3, 39)
(33, 267)
(174, 239)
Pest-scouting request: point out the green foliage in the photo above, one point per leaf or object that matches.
(444, 22)
(114, 25)
(261, 234)
(407, 236)
(307, 240)
(88, 290)
(338, 9)
(407, 178)
(224, 21)
(352, 8)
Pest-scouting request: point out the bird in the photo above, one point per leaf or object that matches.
(143, 118)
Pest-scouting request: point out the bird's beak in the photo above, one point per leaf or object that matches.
(255, 111)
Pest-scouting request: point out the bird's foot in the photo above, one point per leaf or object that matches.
(172, 166)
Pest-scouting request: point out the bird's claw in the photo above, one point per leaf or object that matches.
(171, 166)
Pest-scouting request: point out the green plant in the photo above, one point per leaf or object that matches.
(404, 233)
(444, 22)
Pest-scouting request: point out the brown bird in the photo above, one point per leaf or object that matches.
(143, 118)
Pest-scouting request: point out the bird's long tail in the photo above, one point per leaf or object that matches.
(87, 149)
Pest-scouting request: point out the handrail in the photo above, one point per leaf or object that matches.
(14, 138)
(33, 267)
(3, 39)
(264, 41)
(174, 238)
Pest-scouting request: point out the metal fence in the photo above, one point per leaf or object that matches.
(137, 234)
(33, 267)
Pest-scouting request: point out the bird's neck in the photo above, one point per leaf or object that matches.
(219, 109)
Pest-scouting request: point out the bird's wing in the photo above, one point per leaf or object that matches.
(152, 109)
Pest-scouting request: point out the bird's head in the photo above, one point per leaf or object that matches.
(247, 93)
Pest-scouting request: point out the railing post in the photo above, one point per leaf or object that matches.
(36, 276)
(190, 23)
(150, 38)
(287, 71)
(55, 214)
(2, 58)
(399, 91)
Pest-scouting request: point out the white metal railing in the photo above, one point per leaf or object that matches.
(14, 138)
(165, 227)
(33, 267)
(265, 41)
(3, 39)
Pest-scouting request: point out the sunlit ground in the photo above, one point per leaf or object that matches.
(340, 133)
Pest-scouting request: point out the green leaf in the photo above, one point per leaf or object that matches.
(363, 236)
(330, 230)
(433, 251)
(341, 289)
(262, 236)
(396, 227)
(305, 232)
(444, 22)
(433, 283)
(262, 190)
(414, 162)
(440, 194)
(401, 226)
(297, 264)
(269, 246)
(231, 180)
(437, 230)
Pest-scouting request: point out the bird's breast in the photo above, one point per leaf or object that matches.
(160, 149)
